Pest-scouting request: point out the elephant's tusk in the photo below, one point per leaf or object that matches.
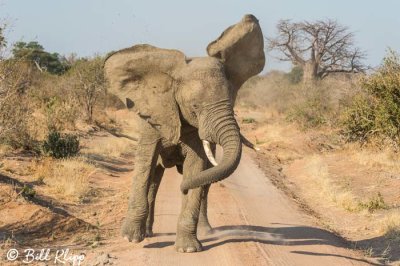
(209, 153)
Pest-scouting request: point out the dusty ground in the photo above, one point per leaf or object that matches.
(256, 224)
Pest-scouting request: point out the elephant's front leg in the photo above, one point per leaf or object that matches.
(204, 226)
(135, 222)
(186, 236)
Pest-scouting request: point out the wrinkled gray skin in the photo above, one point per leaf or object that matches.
(183, 101)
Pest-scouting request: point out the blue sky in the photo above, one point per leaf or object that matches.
(87, 27)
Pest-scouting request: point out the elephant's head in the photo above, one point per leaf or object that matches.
(170, 91)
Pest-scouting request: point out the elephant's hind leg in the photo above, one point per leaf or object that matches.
(135, 222)
(154, 185)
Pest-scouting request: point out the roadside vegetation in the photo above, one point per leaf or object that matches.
(49, 107)
(52, 148)
(337, 141)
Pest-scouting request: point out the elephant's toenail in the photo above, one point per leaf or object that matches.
(191, 249)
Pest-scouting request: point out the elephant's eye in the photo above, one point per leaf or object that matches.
(129, 103)
(130, 79)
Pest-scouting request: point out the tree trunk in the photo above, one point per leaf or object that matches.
(310, 72)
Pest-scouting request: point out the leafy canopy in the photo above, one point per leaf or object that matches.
(44, 61)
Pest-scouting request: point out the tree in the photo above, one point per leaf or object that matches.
(15, 108)
(2, 38)
(90, 83)
(319, 48)
(44, 61)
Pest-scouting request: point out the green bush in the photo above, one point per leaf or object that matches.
(295, 75)
(359, 119)
(248, 120)
(28, 192)
(375, 203)
(61, 146)
(376, 111)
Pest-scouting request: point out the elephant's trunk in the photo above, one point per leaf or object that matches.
(220, 126)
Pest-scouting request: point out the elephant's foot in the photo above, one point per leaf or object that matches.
(204, 228)
(149, 232)
(187, 244)
(149, 227)
(133, 232)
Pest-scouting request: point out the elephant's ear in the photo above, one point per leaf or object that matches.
(142, 77)
(241, 49)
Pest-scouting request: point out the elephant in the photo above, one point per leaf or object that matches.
(186, 109)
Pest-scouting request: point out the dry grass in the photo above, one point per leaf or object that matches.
(4, 149)
(68, 178)
(8, 194)
(318, 172)
(271, 133)
(6, 166)
(110, 147)
(385, 159)
(267, 132)
(8, 242)
(309, 105)
(390, 225)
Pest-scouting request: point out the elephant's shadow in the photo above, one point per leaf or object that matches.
(285, 235)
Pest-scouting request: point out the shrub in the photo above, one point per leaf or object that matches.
(248, 120)
(295, 75)
(61, 146)
(89, 85)
(61, 114)
(359, 119)
(28, 192)
(376, 112)
(309, 114)
(312, 106)
(375, 203)
(15, 107)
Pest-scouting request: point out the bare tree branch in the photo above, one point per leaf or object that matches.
(325, 45)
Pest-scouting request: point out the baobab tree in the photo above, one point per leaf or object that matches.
(320, 48)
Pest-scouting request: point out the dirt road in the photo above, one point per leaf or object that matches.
(256, 224)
